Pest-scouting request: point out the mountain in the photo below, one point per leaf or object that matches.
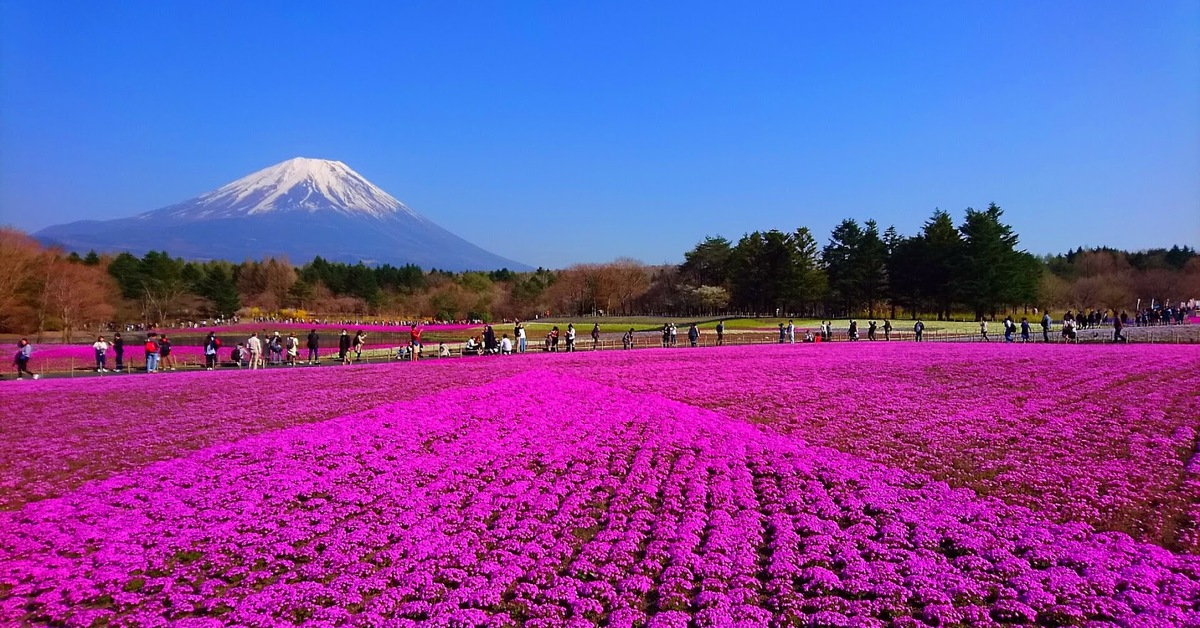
(300, 208)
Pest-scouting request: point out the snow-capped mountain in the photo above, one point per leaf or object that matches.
(299, 184)
(299, 208)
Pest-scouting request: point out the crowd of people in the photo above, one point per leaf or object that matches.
(276, 349)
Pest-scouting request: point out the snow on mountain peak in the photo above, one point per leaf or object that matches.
(299, 184)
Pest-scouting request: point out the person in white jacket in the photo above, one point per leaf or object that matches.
(255, 347)
(506, 345)
(101, 347)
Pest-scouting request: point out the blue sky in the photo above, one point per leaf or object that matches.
(561, 132)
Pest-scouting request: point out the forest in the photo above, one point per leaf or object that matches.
(971, 269)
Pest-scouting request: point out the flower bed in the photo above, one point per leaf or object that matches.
(846, 484)
(580, 505)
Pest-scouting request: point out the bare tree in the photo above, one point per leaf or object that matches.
(19, 257)
(75, 295)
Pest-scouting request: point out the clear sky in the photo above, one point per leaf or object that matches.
(561, 132)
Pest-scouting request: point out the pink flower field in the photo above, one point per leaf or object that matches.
(864, 484)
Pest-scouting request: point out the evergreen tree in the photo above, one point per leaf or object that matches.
(708, 263)
(990, 262)
(220, 289)
(937, 263)
(843, 268)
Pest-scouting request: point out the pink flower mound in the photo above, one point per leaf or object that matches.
(1101, 435)
(69, 432)
(578, 505)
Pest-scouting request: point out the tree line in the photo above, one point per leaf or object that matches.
(974, 268)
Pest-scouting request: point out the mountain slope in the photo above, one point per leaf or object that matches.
(299, 208)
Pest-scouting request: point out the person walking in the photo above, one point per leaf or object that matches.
(314, 343)
(101, 348)
(1045, 326)
(254, 346)
(918, 330)
(151, 352)
(720, 332)
(983, 330)
(211, 345)
(344, 348)
(887, 329)
(21, 359)
(1009, 328)
(871, 326)
(595, 336)
(1118, 326)
(1024, 329)
(570, 337)
(118, 345)
(693, 335)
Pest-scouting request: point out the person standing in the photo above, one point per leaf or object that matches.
(151, 352)
(553, 338)
(852, 333)
(414, 340)
(791, 332)
(1045, 326)
(489, 340)
(276, 349)
(918, 330)
(211, 345)
(1024, 329)
(693, 335)
(21, 359)
(360, 340)
(666, 335)
(314, 343)
(887, 329)
(164, 350)
(293, 348)
(720, 332)
(1118, 326)
(344, 347)
(254, 346)
(674, 335)
(570, 337)
(101, 347)
(118, 345)
(871, 327)
(521, 338)
(782, 334)
(595, 336)
(627, 339)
